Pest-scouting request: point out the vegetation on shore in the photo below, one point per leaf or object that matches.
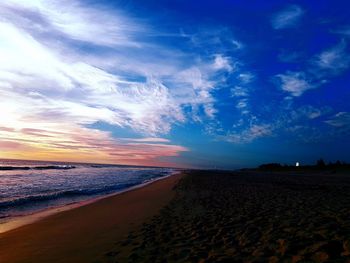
(320, 165)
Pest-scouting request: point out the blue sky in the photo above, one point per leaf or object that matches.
(224, 84)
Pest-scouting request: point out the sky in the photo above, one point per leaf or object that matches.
(221, 84)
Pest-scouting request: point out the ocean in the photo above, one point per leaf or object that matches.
(27, 187)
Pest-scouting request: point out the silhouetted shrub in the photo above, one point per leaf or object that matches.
(321, 164)
(270, 166)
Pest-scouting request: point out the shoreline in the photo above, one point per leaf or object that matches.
(87, 233)
(198, 216)
(19, 221)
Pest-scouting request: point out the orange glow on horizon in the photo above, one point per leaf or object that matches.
(79, 144)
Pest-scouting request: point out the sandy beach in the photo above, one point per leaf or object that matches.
(247, 217)
(86, 233)
(200, 216)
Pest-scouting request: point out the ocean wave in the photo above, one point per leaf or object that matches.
(57, 195)
(45, 167)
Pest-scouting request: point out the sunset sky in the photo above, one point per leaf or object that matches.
(223, 83)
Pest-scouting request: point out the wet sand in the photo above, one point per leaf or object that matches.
(247, 217)
(86, 233)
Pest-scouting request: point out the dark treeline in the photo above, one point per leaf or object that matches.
(319, 165)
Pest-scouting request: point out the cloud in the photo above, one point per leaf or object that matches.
(294, 82)
(341, 119)
(250, 134)
(242, 104)
(324, 65)
(333, 60)
(222, 63)
(242, 92)
(237, 44)
(150, 106)
(344, 31)
(147, 140)
(69, 20)
(9, 145)
(95, 64)
(287, 18)
(289, 57)
(239, 91)
(245, 78)
(71, 142)
(298, 123)
(311, 112)
(6, 129)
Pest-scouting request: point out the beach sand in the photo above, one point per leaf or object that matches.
(86, 233)
(248, 217)
(210, 216)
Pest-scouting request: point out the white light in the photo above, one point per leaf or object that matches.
(297, 164)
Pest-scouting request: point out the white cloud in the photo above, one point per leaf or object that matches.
(287, 18)
(242, 104)
(294, 83)
(87, 88)
(311, 112)
(52, 86)
(308, 112)
(328, 63)
(237, 44)
(222, 63)
(250, 134)
(334, 59)
(239, 91)
(246, 78)
(73, 20)
(341, 119)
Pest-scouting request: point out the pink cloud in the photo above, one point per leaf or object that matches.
(75, 143)
(6, 129)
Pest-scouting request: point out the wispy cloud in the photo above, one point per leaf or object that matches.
(245, 77)
(295, 123)
(287, 18)
(130, 80)
(309, 112)
(341, 119)
(148, 140)
(75, 143)
(333, 60)
(242, 104)
(294, 82)
(69, 20)
(239, 91)
(253, 132)
(326, 64)
(344, 31)
(290, 56)
(222, 63)
(237, 44)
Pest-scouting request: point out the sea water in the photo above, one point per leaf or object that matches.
(27, 187)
